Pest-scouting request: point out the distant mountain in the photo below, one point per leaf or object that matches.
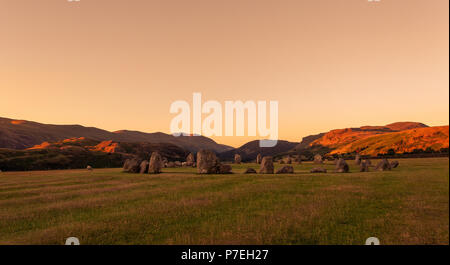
(339, 137)
(307, 140)
(250, 150)
(141, 150)
(405, 141)
(20, 134)
(372, 140)
(407, 125)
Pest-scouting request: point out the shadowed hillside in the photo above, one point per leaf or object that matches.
(21, 134)
(250, 150)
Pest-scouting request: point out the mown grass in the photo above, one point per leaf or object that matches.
(409, 205)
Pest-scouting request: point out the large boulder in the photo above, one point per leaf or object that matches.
(155, 164)
(318, 159)
(131, 165)
(250, 171)
(266, 165)
(358, 159)
(237, 159)
(285, 170)
(224, 169)
(143, 167)
(126, 165)
(258, 159)
(394, 164)
(383, 165)
(207, 162)
(190, 159)
(364, 166)
(341, 166)
(318, 170)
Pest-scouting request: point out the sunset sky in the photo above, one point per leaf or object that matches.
(117, 64)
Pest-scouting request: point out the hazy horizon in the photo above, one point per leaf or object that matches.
(331, 64)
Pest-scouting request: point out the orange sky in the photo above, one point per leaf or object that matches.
(117, 64)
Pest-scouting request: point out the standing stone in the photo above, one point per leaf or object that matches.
(363, 166)
(237, 159)
(394, 164)
(131, 165)
(383, 165)
(190, 159)
(143, 168)
(318, 159)
(266, 165)
(358, 159)
(155, 164)
(258, 159)
(341, 166)
(285, 170)
(207, 162)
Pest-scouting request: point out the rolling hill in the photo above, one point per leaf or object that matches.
(80, 152)
(250, 150)
(340, 137)
(405, 141)
(370, 140)
(401, 137)
(21, 134)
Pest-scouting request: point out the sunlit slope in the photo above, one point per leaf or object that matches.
(401, 142)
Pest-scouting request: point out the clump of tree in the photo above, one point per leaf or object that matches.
(45, 159)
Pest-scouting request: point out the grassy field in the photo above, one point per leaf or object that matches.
(409, 205)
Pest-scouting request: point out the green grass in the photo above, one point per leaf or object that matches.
(409, 205)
